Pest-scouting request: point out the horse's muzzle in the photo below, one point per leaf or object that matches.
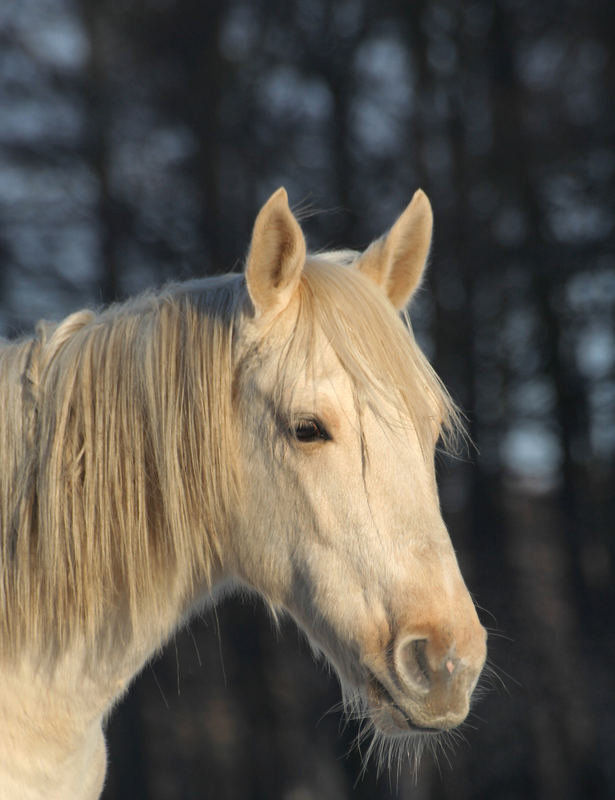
(428, 686)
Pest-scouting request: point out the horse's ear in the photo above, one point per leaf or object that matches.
(396, 261)
(276, 257)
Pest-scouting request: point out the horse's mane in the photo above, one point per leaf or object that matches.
(119, 476)
(117, 471)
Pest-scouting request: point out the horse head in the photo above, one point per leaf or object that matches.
(339, 417)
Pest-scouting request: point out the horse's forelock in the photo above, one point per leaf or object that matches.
(375, 346)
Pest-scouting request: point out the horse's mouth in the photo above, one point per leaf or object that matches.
(387, 715)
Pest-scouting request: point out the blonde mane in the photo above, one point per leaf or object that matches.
(118, 471)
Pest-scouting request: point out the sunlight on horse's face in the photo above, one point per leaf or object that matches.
(341, 519)
(345, 532)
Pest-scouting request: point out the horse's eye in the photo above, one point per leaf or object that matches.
(310, 430)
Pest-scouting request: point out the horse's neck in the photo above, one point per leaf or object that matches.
(51, 741)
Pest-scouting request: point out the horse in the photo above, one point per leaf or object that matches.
(271, 431)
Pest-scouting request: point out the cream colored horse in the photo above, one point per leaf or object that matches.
(273, 430)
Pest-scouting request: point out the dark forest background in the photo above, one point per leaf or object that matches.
(138, 139)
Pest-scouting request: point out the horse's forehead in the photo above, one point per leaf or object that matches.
(321, 377)
(300, 360)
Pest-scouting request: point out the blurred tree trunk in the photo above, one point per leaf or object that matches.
(205, 88)
(98, 116)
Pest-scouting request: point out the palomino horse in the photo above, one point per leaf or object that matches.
(273, 430)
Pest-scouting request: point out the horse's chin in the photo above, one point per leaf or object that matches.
(387, 717)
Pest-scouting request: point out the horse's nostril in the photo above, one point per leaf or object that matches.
(414, 666)
(422, 667)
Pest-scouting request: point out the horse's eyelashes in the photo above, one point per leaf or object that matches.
(310, 430)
